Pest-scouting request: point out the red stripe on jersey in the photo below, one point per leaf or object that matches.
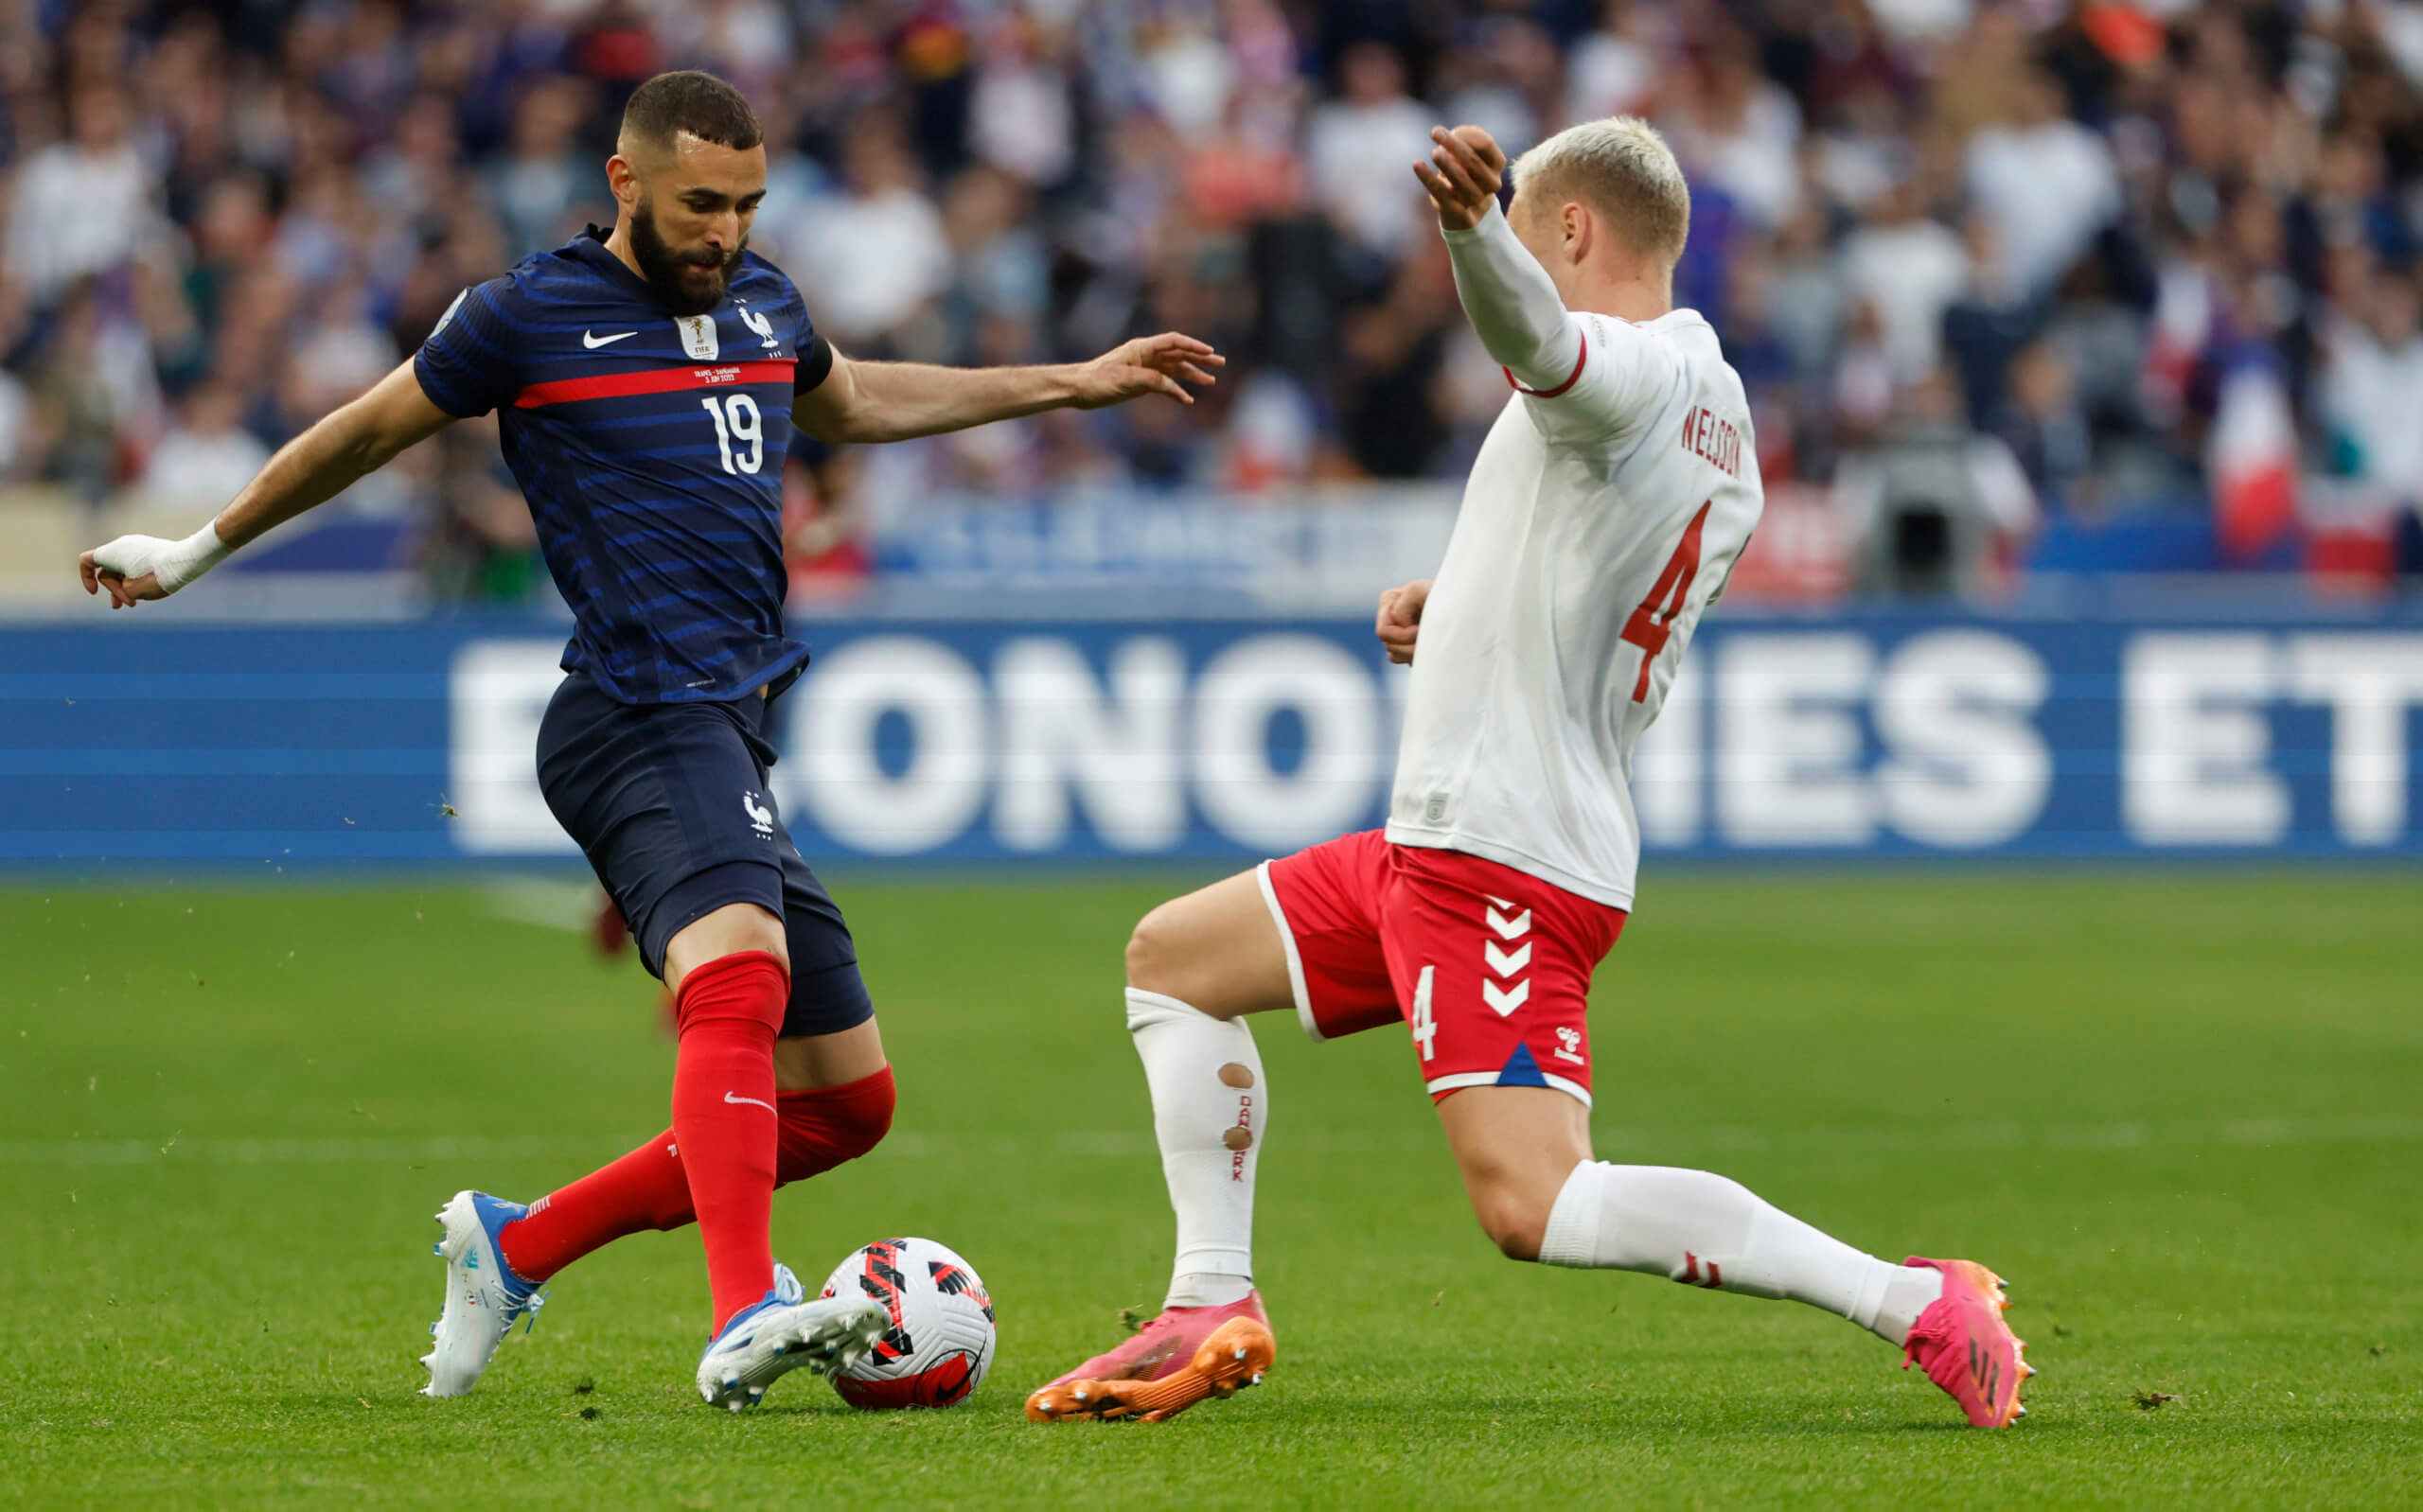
(1571, 379)
(655, 380)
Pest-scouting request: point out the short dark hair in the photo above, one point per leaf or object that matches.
(690, 100)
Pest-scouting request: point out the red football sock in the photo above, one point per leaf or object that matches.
(647, 1189)
(724, 1117)
(824, 1126)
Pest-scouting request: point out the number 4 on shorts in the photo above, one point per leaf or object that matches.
(1426, 1028)
(1652, 624)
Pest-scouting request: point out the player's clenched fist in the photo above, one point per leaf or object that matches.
(1465, 171)
(135, 568)
(1400, 620)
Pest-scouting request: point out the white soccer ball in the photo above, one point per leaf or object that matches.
(941, 1340)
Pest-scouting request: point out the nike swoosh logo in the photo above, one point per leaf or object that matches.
(593, 343)
(734, 1097)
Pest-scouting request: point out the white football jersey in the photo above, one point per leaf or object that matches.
(1599, 520)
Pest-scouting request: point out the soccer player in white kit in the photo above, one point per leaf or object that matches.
(1603, 514)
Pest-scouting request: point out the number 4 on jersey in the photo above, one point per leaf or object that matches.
(1652, 624)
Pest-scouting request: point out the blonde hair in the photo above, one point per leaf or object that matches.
(1623, 168)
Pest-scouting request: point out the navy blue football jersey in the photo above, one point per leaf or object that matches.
(650, 447)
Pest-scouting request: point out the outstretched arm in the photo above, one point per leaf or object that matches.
(1510, 300)
(894, 401)
(314, 467)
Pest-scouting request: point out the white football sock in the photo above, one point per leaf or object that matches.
(1704, 1229)
(1202, 1289)
(1208, 1108)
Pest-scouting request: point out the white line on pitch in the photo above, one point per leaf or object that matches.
(1124, 1144)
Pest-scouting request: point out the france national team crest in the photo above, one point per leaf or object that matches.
(761, 818)
(699, 336)
(764, 328)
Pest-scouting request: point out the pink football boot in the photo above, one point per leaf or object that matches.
(1964, 1345)
(1173, 1361)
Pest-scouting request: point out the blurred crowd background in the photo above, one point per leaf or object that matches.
(1995, 275)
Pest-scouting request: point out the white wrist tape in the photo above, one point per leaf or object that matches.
(172, 563)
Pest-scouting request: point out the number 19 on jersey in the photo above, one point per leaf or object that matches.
(737, 419)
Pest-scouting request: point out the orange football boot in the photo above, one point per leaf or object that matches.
(1173, 1361)
(1964, 1345)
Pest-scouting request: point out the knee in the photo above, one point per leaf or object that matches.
(755, 930)
(1514, 1220)
(826, 1126)
(1154, 955)
(863, 1116)
(735, 929)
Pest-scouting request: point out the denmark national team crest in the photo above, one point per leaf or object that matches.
(699, 336)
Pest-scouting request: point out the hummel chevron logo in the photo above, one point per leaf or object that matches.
(593, 343)
(1503, 1001)
(1514, 928)
(736, 1097)
(1502, 963)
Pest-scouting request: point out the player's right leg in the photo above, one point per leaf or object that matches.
(1291, 934)
(832, 1094)
(1196, 967)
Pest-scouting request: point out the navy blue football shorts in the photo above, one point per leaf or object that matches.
(671, 804)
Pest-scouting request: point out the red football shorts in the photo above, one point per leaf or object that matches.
(1489, 967)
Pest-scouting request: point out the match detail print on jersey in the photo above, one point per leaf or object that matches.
(654, 381)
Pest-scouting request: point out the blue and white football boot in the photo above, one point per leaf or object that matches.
(484, 1298)
(787, 1330)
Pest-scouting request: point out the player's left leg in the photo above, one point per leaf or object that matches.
(834, 1095)
(729, 971)
(1707, 1230)
(1499, 967)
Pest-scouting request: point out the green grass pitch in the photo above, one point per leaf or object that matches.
(2181, 1114)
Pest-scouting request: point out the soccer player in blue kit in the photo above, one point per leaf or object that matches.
(646, 382)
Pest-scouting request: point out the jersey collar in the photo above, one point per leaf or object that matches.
(589, 248)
